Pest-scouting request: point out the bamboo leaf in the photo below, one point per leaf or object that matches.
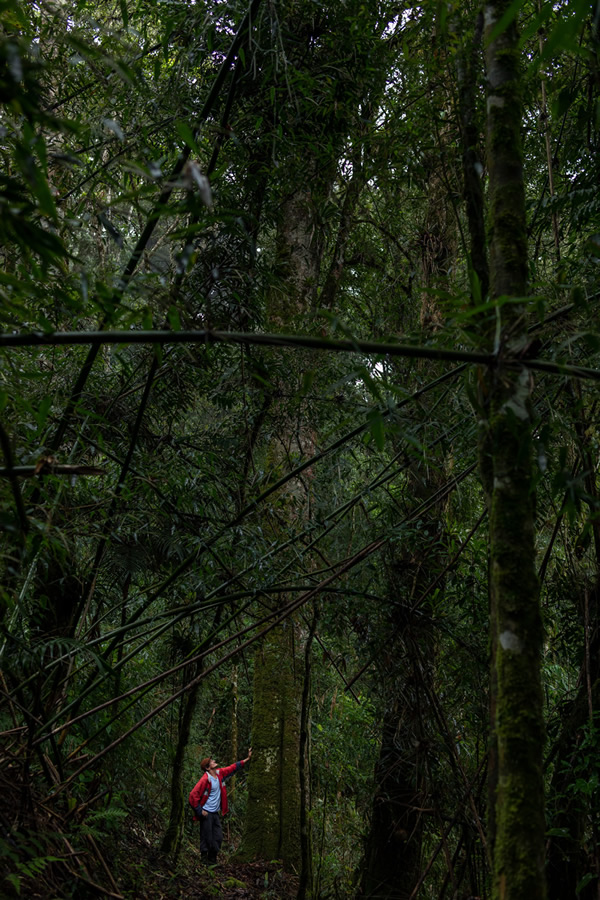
(377, 428)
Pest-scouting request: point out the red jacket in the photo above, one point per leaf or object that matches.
(200, 793)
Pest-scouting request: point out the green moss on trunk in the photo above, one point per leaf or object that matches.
(517, 636)
(274, 797)
(516, 629)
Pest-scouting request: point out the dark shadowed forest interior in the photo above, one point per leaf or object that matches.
(299, 432)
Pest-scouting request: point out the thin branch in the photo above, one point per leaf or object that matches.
(291, 607)
(206, 336)
(90, 84)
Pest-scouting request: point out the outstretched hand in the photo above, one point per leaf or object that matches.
(247, 760)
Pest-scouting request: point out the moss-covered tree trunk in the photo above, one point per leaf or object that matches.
(274, 795)
(516, 630)
(275, 814)
(301, 187)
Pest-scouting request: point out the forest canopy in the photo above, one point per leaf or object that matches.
(299, 354)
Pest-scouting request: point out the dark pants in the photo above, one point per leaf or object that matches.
(211, 834)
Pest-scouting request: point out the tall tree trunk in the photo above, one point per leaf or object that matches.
(516, 629)
(171, 842)
(393, 850)
(274, 795)
(276, 825)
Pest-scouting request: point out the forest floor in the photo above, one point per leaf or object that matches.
(144, 872)
(126, 863)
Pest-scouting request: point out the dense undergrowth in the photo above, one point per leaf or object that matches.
(116, 854)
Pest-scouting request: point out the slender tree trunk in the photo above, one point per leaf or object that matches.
(466, 75)
(171, 842)
(516, 630)
(304, 771)
(233, 750)
(568, 855)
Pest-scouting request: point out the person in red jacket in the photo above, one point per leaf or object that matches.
(209, 800)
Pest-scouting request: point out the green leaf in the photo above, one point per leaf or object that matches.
(16, 882)
(592, 245)
(186, 134)
(307, 382)
(124, 12)
(475, 286)
(173, 319)
(536, 23)
(377, 428)
(42, 413)
(585, 881)
(564, 35)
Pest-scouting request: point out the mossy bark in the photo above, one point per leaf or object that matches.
(277, 826)
(274, 796)
(275, 816)
(516, 636)
(516, 629)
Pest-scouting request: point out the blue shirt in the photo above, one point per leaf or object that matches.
(213, 804)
